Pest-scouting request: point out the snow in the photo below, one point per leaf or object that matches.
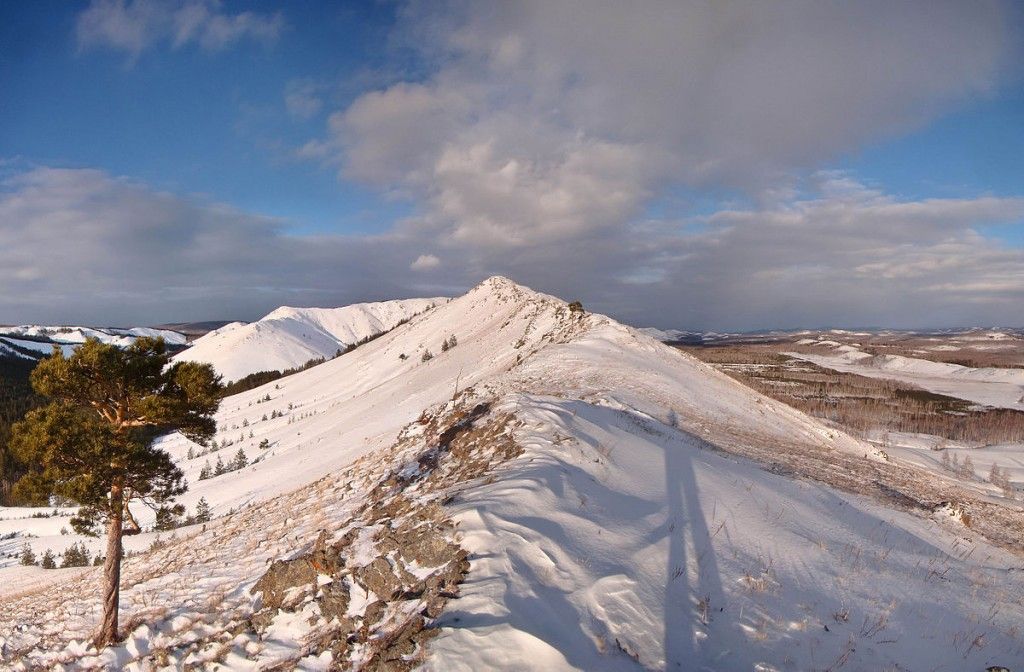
(926, 451)
(989, 386)
(7, 351)
(606, 546)
(35, 346)
(618, 537)
(289, 337)
(76, 335)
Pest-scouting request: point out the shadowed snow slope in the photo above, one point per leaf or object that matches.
(290, 337)
(618, 539)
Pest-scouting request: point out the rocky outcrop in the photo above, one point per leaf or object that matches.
(372, 590)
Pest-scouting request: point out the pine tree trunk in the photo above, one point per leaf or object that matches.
(112, 569)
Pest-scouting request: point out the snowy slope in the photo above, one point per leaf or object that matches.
(76, 335)
(990, 386)
(7, 351)
(290, 337)
(13, 341)
(609, 548)
(40, 349)
(617, 539)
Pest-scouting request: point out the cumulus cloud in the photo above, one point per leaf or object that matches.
(136, 25)
(425, 262)
(547, 119)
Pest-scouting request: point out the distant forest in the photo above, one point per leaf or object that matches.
(16, 398)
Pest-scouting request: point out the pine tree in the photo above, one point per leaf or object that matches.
(191, 454)
(48, 562)
(167, 517)
(445, 346)
(220, 468)
(206, 472)
(452, 341)
(69, 558)
(427, 356)
(202, 511)
(241, 460)
(93, 442)
(76, 555)
(27, 557)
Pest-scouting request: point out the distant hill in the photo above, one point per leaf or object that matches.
(33, 341)
(289, 337)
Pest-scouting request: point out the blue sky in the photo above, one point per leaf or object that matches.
(825, 164)
(191, 121)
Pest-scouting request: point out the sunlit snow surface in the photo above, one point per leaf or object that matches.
(289, 337)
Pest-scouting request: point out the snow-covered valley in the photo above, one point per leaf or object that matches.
(621, 504)
(988, 386)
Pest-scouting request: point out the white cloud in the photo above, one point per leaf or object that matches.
(313, 150)
(855, 257)
(549, 120)
(136, 25)
(425, 262)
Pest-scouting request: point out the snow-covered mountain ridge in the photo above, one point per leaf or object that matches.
(289, 337)
(31, 341)
(598, 482)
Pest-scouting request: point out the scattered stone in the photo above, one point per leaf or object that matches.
(416, 564)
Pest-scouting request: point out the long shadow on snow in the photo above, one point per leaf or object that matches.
(683, 613)
(682, 610)
(547, 611)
